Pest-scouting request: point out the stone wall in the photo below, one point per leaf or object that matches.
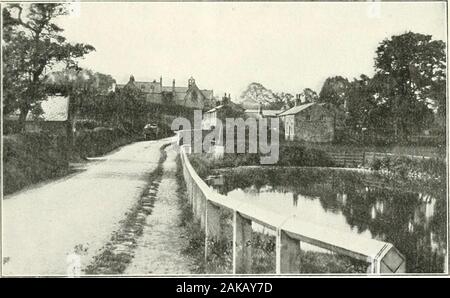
(319, 127)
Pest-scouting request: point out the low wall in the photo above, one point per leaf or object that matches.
(290, 231)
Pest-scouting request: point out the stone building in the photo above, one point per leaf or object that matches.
(226, 109)
(190, 96)
(262, 113)
(310, 122)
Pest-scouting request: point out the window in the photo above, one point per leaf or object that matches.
(308, 117)
(322, 117)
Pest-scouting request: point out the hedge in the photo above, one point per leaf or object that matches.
(32, 157)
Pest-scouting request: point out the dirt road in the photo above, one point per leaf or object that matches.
(43, 226)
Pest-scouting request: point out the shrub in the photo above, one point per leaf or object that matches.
(100, 140)
(296, 155)
(410, 168)
(32, 157)
(290, 155)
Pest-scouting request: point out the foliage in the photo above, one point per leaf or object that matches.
(406, 168)
(290, 155)
(308, 95)
(297, 155)
(196, 240)
(32, 45)
(411, 69)
(334, 91)
(100, 140)
(405, 96)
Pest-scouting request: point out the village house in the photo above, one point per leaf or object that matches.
(226, 109)
(310, 122)
(262, 113)
(190, 96)
(55, 118)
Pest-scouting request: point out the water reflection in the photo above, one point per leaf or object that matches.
(410, 217)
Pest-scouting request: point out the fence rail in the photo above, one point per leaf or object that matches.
(207, 204)
(354, 159)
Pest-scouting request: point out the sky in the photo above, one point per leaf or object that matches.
(227, 45)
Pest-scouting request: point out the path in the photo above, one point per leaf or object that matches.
(43, 225)
(159, 248)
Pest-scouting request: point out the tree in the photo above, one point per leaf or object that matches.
(282, 100)
(334, 91)
(32, 45)
(84, 88)
(364, 110)
(308, 95)
(411, 70)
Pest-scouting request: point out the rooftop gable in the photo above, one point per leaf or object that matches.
(297, 109)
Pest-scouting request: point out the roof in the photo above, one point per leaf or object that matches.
(148, 86)
(269, 113)
(209, 94)
(215, 109)
(177, 89)
(297, 109)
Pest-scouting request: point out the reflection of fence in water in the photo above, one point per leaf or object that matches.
(290, 232)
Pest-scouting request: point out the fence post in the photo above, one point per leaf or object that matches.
(202, 208)
(194, 200)
(289, 253)
(213, 229)
(345, 159)
(242, 245)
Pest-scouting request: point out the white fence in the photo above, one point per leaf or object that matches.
(290, 231)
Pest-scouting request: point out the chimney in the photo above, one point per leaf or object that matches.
(160, 81)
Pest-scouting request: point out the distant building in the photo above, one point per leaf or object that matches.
(55, 118)
(262, 113)
(226, 109)
(190, 96)
(309, 122)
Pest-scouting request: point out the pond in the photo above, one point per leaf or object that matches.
(411, 217)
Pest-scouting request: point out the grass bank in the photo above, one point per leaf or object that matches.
(101, 140)
(31, 158)
(430, 170)
(290, 154)
(196, 241)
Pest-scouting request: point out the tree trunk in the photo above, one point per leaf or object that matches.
(22, 118)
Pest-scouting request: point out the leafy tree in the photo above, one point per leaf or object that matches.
(84, 87)
(32, 45)
(308, 95)
(334, 91)
(410, 69)
(364, 109)
(282, 100)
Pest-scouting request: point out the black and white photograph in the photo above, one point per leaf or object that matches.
(224, 139)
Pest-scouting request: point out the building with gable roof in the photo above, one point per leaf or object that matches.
(190, 96)
(310, 122)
